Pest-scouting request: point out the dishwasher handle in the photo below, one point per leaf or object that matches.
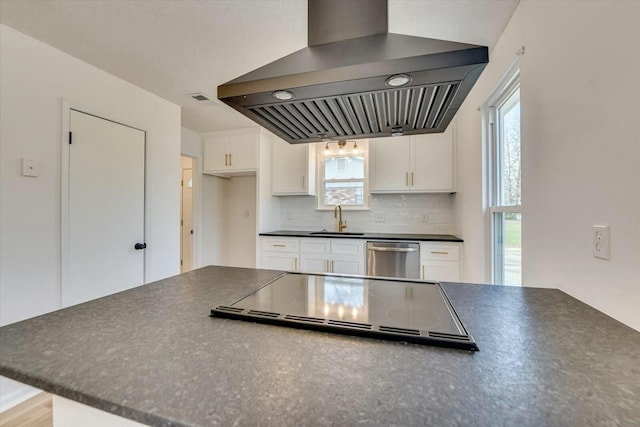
(388, 249)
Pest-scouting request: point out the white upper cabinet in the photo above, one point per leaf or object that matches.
(231, 152)
(389, 160)
(413, 164)
(293, 169)
(433, 157)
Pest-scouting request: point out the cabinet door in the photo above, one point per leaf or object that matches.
(446, 271)
(215, 155)
(314, 263)
(243, 151)
(390, 164)
(347, 265)
(293, 171)
(432, 162)
(279, 261)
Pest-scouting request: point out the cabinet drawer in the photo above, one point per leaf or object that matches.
(315, 246)
(347, 247)
(280, 245)
(439, 252)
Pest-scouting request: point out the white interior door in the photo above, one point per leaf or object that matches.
(106, 208)
(186, 229)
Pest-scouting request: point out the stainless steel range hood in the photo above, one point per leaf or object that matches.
(342, 85)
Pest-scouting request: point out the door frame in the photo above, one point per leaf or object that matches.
(67, 107)
(194, 216)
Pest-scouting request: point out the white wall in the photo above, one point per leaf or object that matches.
(268, 206)
(213, 235)
(241, 222)
(580, 97)
(34, 79)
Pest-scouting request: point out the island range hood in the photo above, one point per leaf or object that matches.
(356, 80)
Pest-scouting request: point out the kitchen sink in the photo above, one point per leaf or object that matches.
(335, 233)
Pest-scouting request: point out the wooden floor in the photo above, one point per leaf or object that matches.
(35, 412)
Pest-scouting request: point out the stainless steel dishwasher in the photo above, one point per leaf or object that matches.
(393, 259)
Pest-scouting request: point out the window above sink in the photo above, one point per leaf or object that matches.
(343, 172)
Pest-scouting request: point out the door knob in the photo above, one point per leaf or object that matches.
(140, 246)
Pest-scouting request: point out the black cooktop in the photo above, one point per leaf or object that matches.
(393, 309)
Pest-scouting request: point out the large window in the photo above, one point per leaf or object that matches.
(502, 114)
(343, 175)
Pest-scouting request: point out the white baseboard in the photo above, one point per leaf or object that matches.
(13, 393)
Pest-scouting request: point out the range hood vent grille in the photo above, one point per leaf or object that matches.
(419, 108)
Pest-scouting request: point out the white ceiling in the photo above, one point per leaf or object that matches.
(177, 47)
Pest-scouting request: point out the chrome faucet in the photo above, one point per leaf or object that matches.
(341, 224)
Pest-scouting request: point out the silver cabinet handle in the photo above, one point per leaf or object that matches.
(303, 182)
(226, 160)
(279, 246)
(406, 179)
(440, 252)
(383, 249)
(230, 159)
(412, 179)
(423, 272)
(295, 264)
(332, 267)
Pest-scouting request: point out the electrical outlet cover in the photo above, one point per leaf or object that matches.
(601, 241)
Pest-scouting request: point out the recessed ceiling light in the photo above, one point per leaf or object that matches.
(398, 80)
(397, 131)
(282, 95)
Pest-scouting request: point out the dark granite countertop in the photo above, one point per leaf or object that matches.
(367, 236)
(154, 355)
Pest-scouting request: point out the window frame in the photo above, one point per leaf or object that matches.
(508, 85)
(363, 151)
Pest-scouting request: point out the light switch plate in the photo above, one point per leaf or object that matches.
(601, 241)
(29, 167)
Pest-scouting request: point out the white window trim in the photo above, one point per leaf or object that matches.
(363, 147)
(507, 85)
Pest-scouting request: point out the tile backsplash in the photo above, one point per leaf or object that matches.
(388, 213)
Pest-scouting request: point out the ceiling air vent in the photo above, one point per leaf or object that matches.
(199, 97)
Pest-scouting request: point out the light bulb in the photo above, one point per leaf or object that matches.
(355, 147)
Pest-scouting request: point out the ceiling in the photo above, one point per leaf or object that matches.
(174, 48)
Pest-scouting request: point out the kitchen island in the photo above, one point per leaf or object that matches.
(154, 355)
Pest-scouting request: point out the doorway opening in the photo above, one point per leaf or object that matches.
(186, 214)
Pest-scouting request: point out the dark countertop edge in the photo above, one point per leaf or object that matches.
(368, 236)
(115, 408)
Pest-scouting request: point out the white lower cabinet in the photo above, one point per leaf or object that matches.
(348, 265)
(440, 261)
(313, 255)
(280, 253)
(340, 256)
